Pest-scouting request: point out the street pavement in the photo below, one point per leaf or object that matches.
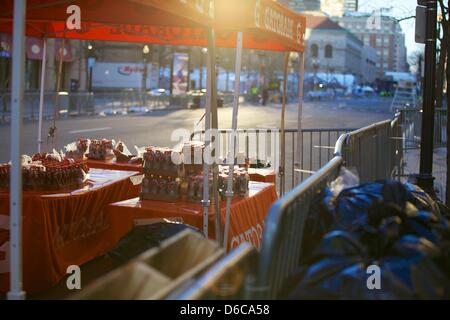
(156, 127)
(412, 165)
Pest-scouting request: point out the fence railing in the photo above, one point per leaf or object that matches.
(98, 102)
(376, 152)
(283, 233)
(411, 122)
(225, 280)
(263, 145)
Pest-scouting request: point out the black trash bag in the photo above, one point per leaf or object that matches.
(333, 247)
(415, 262)
(339, 243)
(142, 238)
(367, 205)
(340, 272)
(349, 208)
(396, 226)
(318, 222)
(420, 199)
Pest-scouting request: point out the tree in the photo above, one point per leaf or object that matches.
(415, 61)
(447, 198)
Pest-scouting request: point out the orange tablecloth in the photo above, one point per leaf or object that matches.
(262, 175)
(246, 219)
(112, 165)
(63, 229)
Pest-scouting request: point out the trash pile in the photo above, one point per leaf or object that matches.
(382, 240)
(144, 237)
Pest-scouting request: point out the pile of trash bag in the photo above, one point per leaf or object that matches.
(382, 240)
(142, 238)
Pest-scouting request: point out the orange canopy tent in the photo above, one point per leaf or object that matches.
(267, 24)
(47, 18)
(255, 24)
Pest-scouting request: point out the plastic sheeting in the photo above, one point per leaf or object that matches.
(394, 226)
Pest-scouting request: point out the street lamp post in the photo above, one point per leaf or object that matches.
(425, 178)
(145, 54)
(91, 61)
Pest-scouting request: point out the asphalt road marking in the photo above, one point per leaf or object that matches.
(90, 130)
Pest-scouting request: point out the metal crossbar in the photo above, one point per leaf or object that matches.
(259, 143)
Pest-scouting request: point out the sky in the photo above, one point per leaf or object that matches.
(399, 9)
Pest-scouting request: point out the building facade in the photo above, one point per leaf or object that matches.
(337, 8)
(75, 68)
(333, 49)
(302, 5)
(384, 34)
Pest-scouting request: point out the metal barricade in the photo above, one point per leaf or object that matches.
(411, 122)
(263, 145)
(374, 151)
(283, 232)
(226, 279)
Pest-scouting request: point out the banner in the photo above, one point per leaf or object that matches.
(180, 74)
(5, 45)
(34, 48)
(124, 75)
(66, 54)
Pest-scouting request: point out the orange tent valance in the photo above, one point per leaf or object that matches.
(280, 28)
(179, 13)
(266, 24)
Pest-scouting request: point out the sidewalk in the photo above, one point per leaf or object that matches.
(412, 159)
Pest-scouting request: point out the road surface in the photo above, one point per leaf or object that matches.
(156, 127)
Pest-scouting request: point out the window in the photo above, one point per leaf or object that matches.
(328, 51)
(378, 41)
(314, 51)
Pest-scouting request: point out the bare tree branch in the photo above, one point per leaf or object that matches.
(405, 18)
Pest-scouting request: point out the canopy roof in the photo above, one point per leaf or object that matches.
(266, 24)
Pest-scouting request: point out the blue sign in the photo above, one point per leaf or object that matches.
(91, 62)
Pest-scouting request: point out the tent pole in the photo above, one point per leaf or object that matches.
(18, 74)
(41, 94)
(52, 130)
(206, 201)
(283, 140)
(232, 152)
(299, 151)
(214, 127)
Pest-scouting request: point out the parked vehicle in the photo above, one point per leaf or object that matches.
(320, 94)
